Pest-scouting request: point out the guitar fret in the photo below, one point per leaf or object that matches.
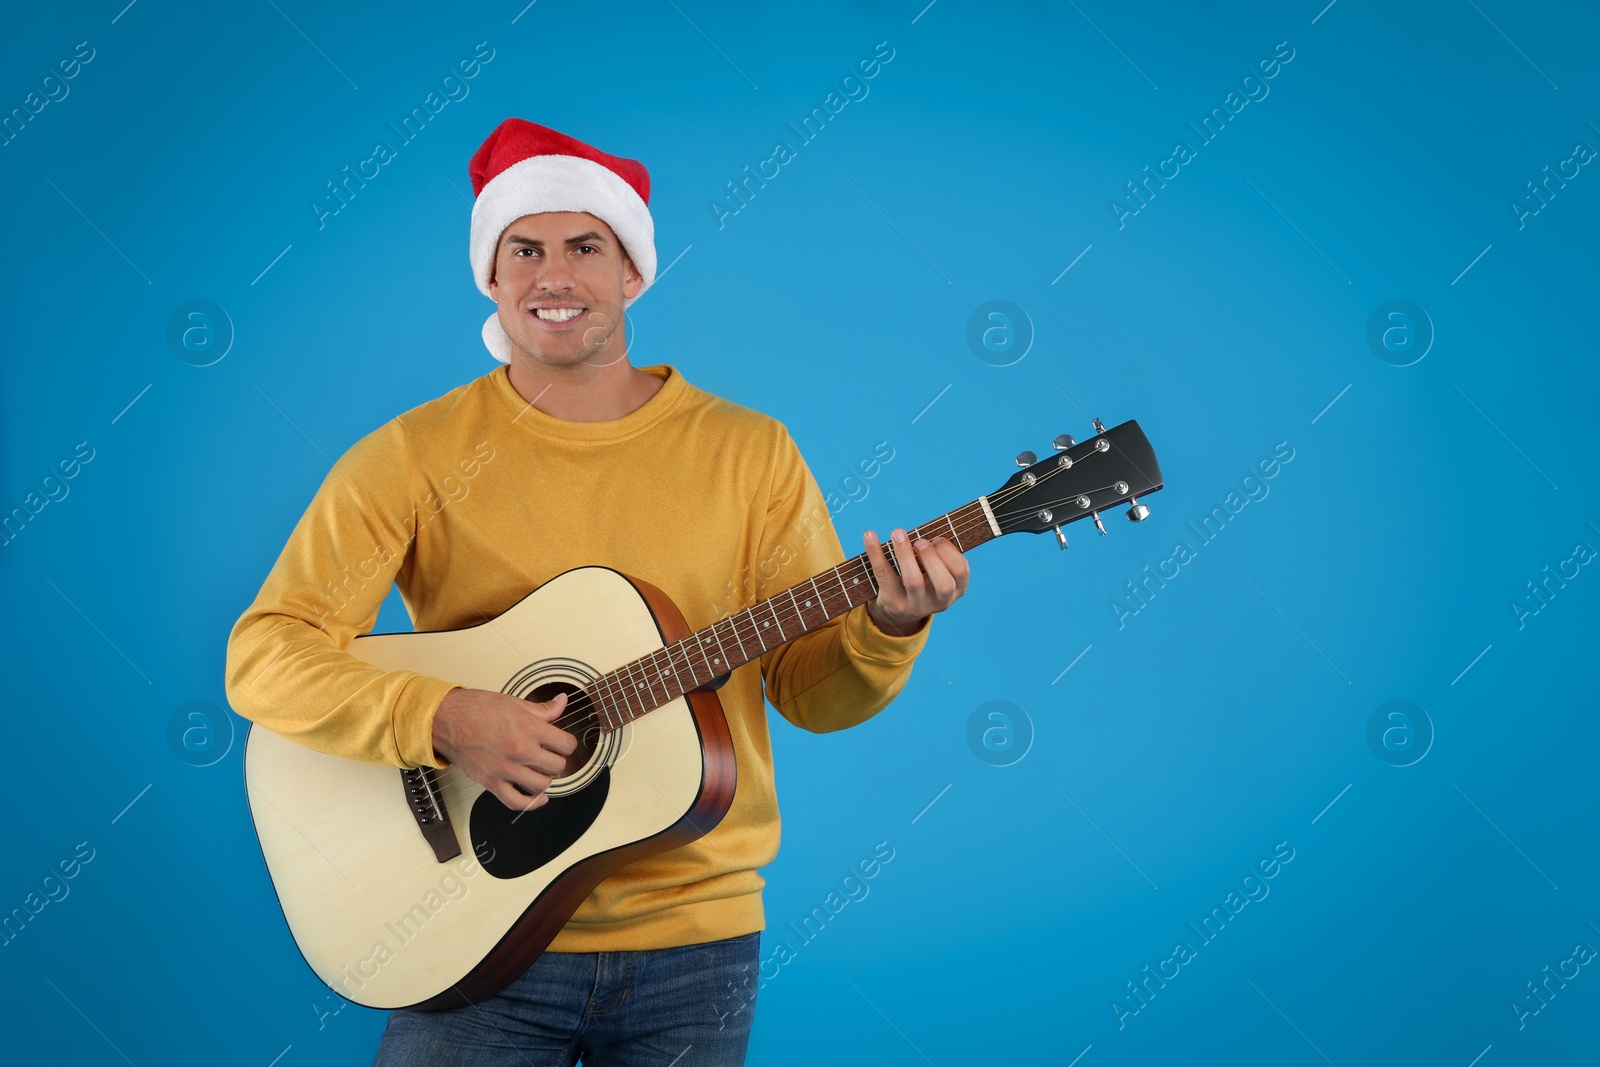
(594, 691)
(666, 673)
(705, 642)
(639, 688)
(671, 678)
(727, 663)
(679, 670)
(689, 667)
(674, 672)
(721, 648)
(749, 616)
(733, 624)
(616, 703)
(773, 607)
(641, 682)
(761, 633)
(638, 703)
(607, 707)
(608, 717)
(655, 677)
(872, 579)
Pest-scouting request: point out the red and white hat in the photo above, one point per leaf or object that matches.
(524, 169)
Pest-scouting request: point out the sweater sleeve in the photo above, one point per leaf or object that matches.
(848, 670)
(287, 664)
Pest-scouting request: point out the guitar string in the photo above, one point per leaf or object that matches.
(614, 684)
(615, 690)
(795, 614)
(743, 629)
(618, 687)
(617, 693)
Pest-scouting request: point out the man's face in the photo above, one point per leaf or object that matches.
(560, 279)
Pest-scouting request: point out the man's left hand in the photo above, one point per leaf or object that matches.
(933, 575)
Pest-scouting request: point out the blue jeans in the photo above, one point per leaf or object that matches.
(669, 1007)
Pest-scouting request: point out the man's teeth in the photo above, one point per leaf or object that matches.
(557, 314)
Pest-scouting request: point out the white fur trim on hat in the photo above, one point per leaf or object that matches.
(557, 183)
(495, 339)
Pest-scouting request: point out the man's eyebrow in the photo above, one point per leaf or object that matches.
(583, 238)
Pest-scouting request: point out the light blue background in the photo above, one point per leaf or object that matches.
(1228, 715)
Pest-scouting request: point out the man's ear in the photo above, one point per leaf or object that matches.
(632, 280)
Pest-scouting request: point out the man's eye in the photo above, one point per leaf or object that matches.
(591, 248)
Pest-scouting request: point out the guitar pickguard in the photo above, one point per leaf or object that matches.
(511, 844)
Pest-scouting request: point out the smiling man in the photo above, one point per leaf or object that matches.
(569, 456)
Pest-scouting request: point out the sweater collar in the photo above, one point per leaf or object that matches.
(666, 399)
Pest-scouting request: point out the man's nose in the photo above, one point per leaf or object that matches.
(554, 275)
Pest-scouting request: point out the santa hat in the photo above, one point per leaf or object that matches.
(524, 169)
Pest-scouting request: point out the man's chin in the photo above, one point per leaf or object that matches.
(552, 357)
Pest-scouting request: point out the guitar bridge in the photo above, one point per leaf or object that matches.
(427, 806)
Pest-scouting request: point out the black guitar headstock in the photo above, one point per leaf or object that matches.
(1078, 482)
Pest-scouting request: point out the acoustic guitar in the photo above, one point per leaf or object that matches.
(419, 888)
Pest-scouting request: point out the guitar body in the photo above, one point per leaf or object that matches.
(377, 915)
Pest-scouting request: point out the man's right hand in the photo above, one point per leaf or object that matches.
(508, 744)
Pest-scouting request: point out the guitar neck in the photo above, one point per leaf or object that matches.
(647, 683)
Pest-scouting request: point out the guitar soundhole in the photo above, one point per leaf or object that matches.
(578, 719)
(597, 749)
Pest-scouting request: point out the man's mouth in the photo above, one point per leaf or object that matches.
(557, 314)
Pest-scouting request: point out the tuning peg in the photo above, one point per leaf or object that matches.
(1098, 525)
(1099, 427)
(1061, 537)
(1026, 458)
(1064, 441)
(1137, 512)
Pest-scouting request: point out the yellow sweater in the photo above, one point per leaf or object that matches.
(469, 502)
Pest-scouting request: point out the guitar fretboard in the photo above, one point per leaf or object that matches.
(647, 683)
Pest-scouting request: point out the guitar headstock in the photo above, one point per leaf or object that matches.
(1079, 481)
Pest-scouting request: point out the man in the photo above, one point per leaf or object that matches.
(570, 456)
